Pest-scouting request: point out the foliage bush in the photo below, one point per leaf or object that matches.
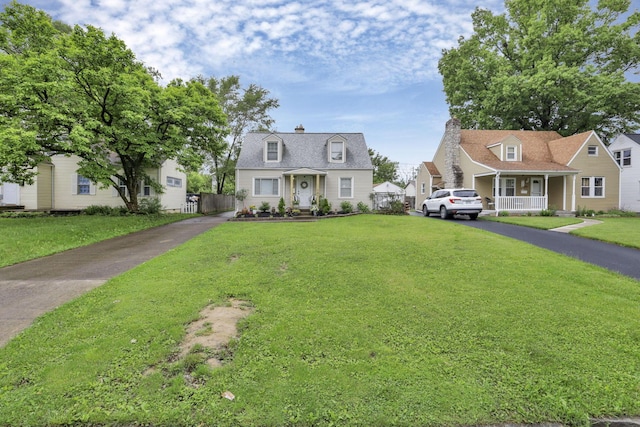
(324, 206)
(265, 206)
(281, 206)
(503, 213)
(363, 207)
(583, 211)
(23, 214)
(548, 212)
(150, 206)
(346, 207)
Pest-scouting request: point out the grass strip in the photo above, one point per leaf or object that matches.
(22, 239)
(366, 321)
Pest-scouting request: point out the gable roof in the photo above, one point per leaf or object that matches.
(432, 169)
(635, 137)
(541, 150)
(304, 150)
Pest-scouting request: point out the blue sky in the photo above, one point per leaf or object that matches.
(365, 66)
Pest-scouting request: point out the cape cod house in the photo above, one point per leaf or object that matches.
(520, 171)
(59, 187)
(626, 151)
(301, 167)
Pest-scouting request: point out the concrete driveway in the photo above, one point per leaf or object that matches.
(32, 288)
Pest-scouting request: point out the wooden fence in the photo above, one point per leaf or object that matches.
(212, 203)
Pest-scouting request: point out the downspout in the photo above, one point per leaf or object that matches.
(291, 190)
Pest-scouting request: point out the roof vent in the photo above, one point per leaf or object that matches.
(300, 129)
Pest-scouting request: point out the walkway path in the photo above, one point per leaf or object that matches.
(570, 228)
(32, 288)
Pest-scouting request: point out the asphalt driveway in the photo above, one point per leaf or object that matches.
(32, 288)
(612, 257)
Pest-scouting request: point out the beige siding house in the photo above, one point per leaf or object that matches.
(300, 167)
(524, 171)
(59, 187)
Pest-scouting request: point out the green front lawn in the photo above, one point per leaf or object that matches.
(22, 239)
(369, 320)
(622, 231)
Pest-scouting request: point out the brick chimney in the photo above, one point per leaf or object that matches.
(453, 177)
(300, 129)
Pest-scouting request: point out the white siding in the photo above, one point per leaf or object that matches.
(630, 175)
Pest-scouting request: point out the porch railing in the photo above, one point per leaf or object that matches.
(518, 203)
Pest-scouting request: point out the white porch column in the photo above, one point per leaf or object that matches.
(546, 191)
(573, 194)
(496, 200)
(291, 190)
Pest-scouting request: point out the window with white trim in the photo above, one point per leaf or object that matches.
(423, 188)
(512, 153)
(507, 187)
(266, 187)
(83, 185)
(623, 157)
(174, 182)
(346, 188)
(592, 186)
(592, 150)
(272, 151)
(337, 151)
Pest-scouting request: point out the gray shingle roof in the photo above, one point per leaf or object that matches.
(634, 137)
(303, 150)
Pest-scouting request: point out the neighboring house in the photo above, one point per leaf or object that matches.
(301, 167)
(58, 187)
(386, 193)
(410, 193)
(524, 170)
(626, 151)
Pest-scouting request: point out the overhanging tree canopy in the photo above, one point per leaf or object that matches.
(547, 65)
(85, 94)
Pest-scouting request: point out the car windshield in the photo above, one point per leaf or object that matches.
(465, 193)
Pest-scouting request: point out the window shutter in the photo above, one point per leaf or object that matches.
(74, 184)
(92, 188)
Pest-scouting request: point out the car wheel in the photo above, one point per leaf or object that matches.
(473, 217)
(443, 212)
(425, 211)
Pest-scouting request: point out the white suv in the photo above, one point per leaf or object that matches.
(449, 202)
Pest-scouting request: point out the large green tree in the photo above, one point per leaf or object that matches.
(247, 109)
(383, 168)
(547, 65)
(83, 93)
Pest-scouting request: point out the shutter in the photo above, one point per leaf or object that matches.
(92, 188)
(74, 184)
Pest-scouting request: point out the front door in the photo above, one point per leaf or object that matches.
(536, 187)
(304, 190)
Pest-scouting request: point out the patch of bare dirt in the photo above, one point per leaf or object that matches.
(215, 328)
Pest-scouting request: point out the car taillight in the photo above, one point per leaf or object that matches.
(452, 200)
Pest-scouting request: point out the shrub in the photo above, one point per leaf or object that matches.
(265, 206)
(150, 206)
(281, 206)
(99, 210)
(503, 213)
(547, 212)
(324, 206)
(363, 207)
(346, 207)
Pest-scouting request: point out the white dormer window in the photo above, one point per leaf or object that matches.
(273, 151)
(337, 151)
(511, 153)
